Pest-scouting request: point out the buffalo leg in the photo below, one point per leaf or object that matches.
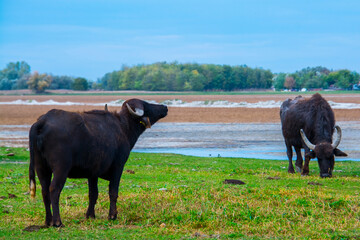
(56, 187)
(299, 160)
(114, 190)
(93, 195)
(113, 194)
(45, 179)
(289, 153)
(305, 170)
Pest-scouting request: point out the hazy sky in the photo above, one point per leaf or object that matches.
(90, 38)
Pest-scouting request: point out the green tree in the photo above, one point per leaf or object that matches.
(80, 84)
(14, 76)
(279, 81)
(39, 82)
(315, 82)
(315, 75)
(61, 82)
(345, 79)
(192, 76)
(5, 84)
(196, 81)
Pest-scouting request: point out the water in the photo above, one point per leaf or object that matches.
(14, 135)
(246, 140)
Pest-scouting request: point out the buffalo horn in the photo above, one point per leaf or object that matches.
(138, 112)
(338, 137)
(306, 140)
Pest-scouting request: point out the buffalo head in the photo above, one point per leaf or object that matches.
(325, 152)
(146, 113)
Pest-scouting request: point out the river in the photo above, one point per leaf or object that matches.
(246, 140)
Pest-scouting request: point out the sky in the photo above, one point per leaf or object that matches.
(88, 38)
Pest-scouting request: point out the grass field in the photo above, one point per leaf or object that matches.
(181, 197)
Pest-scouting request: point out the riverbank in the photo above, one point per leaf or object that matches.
(19, 114)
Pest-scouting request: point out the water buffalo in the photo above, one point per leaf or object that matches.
(92, 145)
(309, 124)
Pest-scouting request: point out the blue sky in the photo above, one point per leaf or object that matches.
(90, 38)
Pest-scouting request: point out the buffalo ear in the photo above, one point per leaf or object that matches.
(310, 154)
(339, 153)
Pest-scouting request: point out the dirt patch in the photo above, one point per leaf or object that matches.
(27, 114)
(273, 178)
(34, 228)
(233, 181)
(315, 183)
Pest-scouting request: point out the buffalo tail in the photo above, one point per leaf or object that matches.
(33, 134)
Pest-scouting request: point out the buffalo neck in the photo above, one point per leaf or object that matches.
(132, 128)
(323, 129)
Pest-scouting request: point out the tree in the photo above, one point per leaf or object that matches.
(289, 82)
(5, 84)
(164, 76)
(345, 79)
(80, 84)
(279, 81)
(315, 83)
(39, 82)
(196, 81)
(61, 82)
(14, 76)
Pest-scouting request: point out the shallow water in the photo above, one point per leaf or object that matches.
(247, 140)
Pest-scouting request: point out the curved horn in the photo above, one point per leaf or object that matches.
(306, 140)
(138, 112)
(338, 138)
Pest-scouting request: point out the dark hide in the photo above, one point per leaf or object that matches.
(92, 145)
(316, 118)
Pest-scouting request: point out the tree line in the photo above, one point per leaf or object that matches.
(174, 76)
(317, 77)
(186, 77)
(17, 75)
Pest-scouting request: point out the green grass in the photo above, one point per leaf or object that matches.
(196, 203)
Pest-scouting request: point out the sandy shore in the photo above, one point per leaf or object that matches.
(27, 114)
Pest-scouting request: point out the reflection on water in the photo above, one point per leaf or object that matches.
(247, 140)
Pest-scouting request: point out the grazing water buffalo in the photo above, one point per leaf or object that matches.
(309, 124)
(92, 145)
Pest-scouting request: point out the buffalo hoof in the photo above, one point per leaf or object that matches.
(291, 170)
(58, 224)
(90, 215)
(112, 217)
(304, 174)
(325, 175)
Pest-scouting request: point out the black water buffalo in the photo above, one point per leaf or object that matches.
(92, 145)
(309, 124)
